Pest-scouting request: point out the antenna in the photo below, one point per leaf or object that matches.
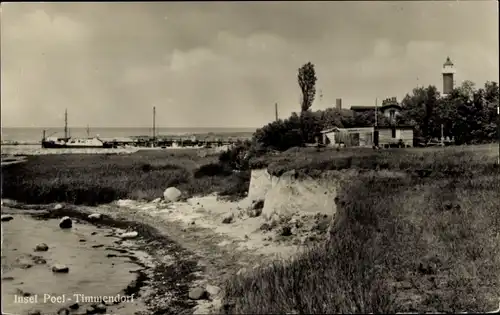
(66, 123)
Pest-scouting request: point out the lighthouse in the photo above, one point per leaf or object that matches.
(448, 72)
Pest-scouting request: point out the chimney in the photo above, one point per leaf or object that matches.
(338, 103)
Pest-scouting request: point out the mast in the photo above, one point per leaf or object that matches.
(88, 131)
(154, 124)
(66, 123)
(276, 111)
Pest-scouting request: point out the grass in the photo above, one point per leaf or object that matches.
(93, 179)
(411, 244)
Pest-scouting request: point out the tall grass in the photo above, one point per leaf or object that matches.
(406, 244)
(96, 179)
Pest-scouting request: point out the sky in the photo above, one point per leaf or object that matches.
(225, 64)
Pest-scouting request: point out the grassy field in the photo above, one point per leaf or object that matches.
(94, 179)
(426, 242)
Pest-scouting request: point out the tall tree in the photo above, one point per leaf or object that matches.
(307, 83)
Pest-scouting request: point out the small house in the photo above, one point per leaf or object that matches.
(390, 108)
(389, 136)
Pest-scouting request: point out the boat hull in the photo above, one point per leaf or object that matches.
(54, 145)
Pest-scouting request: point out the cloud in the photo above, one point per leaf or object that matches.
(227, 63)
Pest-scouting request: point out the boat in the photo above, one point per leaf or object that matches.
(71, 142)
(75, 143)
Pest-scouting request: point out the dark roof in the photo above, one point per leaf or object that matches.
(448, 62)
(362, 108)
(391, 105)
(397, 127)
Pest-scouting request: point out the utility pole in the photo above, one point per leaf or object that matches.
(88, 131)
(276, 111)
(154, 125)
(66, 123)
(376, 109)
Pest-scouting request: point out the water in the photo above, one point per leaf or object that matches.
(91, 273)
(35, 134)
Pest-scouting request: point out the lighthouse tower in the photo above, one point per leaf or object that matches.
(448, 72)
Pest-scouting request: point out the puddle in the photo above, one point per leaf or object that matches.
(92, 271)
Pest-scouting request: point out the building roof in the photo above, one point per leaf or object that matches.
(362, 108)
(391, 105)
(448, 62)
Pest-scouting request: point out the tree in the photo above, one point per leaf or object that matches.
(307, 83)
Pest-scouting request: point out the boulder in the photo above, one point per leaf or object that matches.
(94, 216)
(212, 291)
(172, 194)
(65, 223)
(228, 218)
(7, 217)
(129, 235)
(197, 293)
(58, 206)
(99, 308)
(60, 268)
(42, 247)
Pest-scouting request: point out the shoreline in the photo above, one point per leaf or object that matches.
(156, 277)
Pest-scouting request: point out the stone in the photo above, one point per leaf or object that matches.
(99, 308)
(172, 194)
(7, 278)
(157, 200)
(7, 217)
(94, 216)
(74, 306)
(228, 218)
(212, 291)
(258, 204)
(63, 311)
(42, 247)
(60, 268)
(286, 231)
(39, 260)
(58, 206)
(65, 223)
(129, 235)
(197, 293)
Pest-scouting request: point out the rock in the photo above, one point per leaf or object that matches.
(197, 293)
(63, 311)
(212, 291)
(39, 260)
(65, 223)
(265, 227)
(97, 246)
(228, 218)
(93, 233)
(60, 268)
(42, 247)
(258, 204)
(7, 217)
(7, 278)
(172, 194)
(129, 235)
(157, 200)
(94, 216)
(58, 206)
(25, 265)
(82, 240)
(286, 231)
(99, 308)
(74, 306)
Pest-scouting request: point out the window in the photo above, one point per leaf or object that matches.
(392, 114)
(393, 133)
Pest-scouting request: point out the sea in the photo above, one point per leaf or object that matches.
(34, 135)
